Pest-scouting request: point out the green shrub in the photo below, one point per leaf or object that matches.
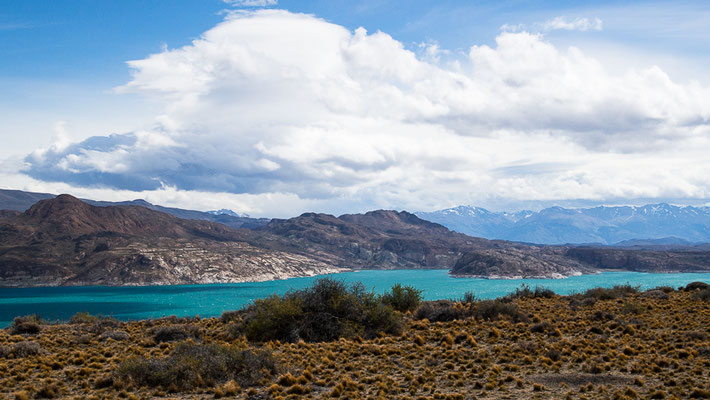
(403, 298)
(198, 365)
(632, 307)
(468, 297)
(326, 311)
(101, 324)
(696, 286)
(82, 318)
(26, 348)
(524, 292)
(703, 295)
(27, 325)
(173, 333)
(612, 293)
(665, 289)
(230, 316)
(21, 349)
(492, 309)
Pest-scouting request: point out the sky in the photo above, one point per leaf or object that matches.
(275, 108)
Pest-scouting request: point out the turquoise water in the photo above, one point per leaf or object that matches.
(211, 300)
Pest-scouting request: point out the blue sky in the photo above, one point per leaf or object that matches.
(65, 78)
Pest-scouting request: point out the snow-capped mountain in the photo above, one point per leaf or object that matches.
(225, 211)
(557, 225)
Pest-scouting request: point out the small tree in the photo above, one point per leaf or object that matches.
(403, 298)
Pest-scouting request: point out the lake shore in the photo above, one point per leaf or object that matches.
(141, 302)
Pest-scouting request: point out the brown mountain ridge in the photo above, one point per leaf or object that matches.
(65, 241)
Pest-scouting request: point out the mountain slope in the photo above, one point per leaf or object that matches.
(64, 241)
(602, 225)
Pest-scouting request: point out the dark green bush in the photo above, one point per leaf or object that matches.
(83, 318)
(541, 327)
(665, 289)
(632, 307)
(441, 311)
(492, 309)
(696, 286)
(230, 316)
(26, 348)
(197, 365)
(524, 292)
(468, 297)
(703, 295)
(600, 315)
(22, 349)
(27, 325)
(103, 323)
(403, 298)
(173, 333)
(326, 311)
(655, 294)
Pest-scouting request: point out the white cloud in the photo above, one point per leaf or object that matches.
(577, 24)
(272, 106)
(251, 3)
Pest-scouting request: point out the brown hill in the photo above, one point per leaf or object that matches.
(378, 239)
(64, 241)
(67, 215)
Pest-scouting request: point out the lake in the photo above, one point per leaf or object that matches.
(126, 303)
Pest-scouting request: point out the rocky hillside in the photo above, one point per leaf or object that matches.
(517, 262)
(377, 239)
(64, 241)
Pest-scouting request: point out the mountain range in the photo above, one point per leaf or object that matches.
(652, 224)
(63, 240)
(18, 200)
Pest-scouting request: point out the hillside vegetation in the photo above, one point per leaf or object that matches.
(604, 343)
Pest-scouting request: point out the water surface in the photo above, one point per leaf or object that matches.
(59, 303)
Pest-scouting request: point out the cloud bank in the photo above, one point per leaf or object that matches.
(271, 103)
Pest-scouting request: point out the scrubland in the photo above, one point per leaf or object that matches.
(335, 341)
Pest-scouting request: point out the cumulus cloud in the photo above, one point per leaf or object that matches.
(272, 103)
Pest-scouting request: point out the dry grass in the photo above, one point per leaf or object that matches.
(623, 345)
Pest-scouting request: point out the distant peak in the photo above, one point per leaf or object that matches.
(225, 211)
(58, 205)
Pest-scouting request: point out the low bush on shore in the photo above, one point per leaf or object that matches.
(612, 293)
(27, 325)
(328, 310)
(524, 292)
(403, 298)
